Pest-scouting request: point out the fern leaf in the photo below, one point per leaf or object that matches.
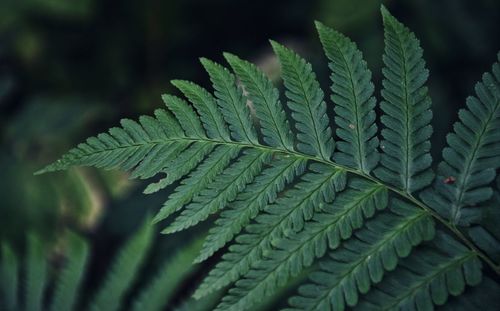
(36, 274)
(158, 158)
(287, 202)
(405, 158)
(231, 102)
(361, 261)
(256, 196)
(184, 163)
(354, 102)
(485, 241)
(305, 99)
(206, 105)
(123, 270)
(204, 304)
(188, 119)
(482, 297)
(222, 190)
(472, 155)
(288, 213)
(134, 145)
(197, 180)
(265, 98)
(167, 125)
(9, 279)
(157, 294)
(426, 278)
(288, 255)
(69, 281)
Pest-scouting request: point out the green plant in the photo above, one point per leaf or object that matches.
(66, 291)
(391, 237)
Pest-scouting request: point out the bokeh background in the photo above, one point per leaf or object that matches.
(71, 69)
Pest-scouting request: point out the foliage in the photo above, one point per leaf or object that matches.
(68, 285)
(288, 192)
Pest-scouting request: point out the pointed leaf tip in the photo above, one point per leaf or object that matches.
(228, 55)
(39, 172)
(384, 10)
(319, 25)
(387, 17)
(204, 61)
(274, 43)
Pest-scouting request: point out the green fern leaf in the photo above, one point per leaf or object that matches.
(472, 154)
(265, 98)
(426, 278)
(247, 204)
(305, 99)
(9, 280)
(182, 165)
(231, 102)
(69, 282)
(288, 213)
(123, 270)
(167, 125)
(354, 102)
(486, 241)
(197, 180)
(133, 146)
(361, 261)
(405, 158)
(292, 198)
(482, 297)
(206, 105)
(36, 274)
(222, 190)
(188, 119)
(289, 254)
(157, 159)
(157, 294)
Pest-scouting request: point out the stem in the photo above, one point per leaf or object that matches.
(407, 196)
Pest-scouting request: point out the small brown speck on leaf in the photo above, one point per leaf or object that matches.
(449, 180)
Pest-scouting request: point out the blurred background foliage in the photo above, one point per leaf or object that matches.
(71, 69)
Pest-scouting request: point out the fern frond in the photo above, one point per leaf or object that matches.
(204, 304)
(188, 119)
(288, 254)
(198, 180)
(426, 278)
(36, 274)
(472, 155)
(222, 190)
(184, 163)
(486, 241)
(288, 213)
(123, 270)
(147, 147)
(405, 156)
(160, 290)
(283, 203)
(231, 102)
(247, 204)
(69, 281)
(265, 98)
(482, 297)
(167, 125)
(305, 99)
(206, 105)
(9, 280)
(158, 158)
(361, 260)
(354, 102)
